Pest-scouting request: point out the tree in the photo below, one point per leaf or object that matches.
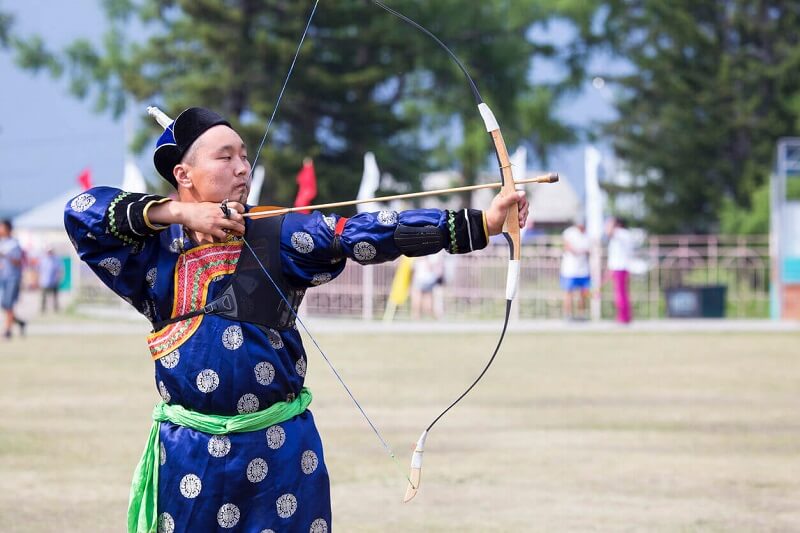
(714, 84)
(6, 20)
(364, 80)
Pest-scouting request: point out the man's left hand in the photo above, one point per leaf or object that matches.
(496, 214)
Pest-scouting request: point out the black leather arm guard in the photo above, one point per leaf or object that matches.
(415, 241)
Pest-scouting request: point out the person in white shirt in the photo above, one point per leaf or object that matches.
(427, 278)
(620, 254)
(575, 268)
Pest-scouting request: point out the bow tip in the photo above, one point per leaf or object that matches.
(413, 484)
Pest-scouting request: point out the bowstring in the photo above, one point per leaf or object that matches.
(280, 292)
(283, 88)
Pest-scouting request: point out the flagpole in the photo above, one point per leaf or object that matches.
(275, 211)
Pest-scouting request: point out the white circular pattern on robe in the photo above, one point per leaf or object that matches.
(162, 390)
(330, 222)
(364, 251)
(176, 246)
(232, 337)
(82, 202)
(228, 516)
(267, 531)
(322, 277)
(219, 445)
(265, 372)
(207, 380)
(162, 454)
(151, 276)
(387, 218)
(287, 505)
(309, 462)
(112, 264)
(276, 436)
(165, 523)
(191, 486)
(247, 404)
(319, 526)
(300, 367)
(257, 470)
(171, 359)
(275, 339)
(302, 242)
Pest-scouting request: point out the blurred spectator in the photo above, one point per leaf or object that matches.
(575, 269)
(427, 278)
(51, 272)
(620, 255)
(11, 262)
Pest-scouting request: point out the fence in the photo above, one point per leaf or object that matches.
(475, 286)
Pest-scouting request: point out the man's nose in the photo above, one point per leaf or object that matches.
(243, 168)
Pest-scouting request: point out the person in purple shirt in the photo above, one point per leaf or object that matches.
(178, 261)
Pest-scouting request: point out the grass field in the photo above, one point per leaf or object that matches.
(587, 432)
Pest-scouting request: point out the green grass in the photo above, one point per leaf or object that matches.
(582, 432)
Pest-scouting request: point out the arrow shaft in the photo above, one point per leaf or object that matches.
(545, 178)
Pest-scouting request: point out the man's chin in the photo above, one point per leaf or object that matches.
(239, 194)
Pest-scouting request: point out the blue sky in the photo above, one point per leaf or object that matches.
(47, 137)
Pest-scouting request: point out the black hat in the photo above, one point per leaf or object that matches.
(179, 136)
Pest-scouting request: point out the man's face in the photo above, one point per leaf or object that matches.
(216, 165)
(4, 230)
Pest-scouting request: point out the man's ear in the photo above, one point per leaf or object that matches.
(182, 176)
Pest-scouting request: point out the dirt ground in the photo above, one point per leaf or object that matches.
(609, 431)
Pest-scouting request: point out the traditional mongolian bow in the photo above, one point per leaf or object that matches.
(510, 232)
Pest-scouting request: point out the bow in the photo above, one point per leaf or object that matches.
(510, 232)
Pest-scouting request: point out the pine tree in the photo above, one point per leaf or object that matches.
(363, 81)
(714, 84)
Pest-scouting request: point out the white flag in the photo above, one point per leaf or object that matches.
(132, 179)
(255, 186)
(370, 180)
(594, 196)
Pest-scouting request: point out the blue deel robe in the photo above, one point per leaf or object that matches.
(261, 481)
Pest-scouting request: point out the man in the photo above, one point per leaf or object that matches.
(180, 264)
(575, 269)
(51, 272)
(11, 260)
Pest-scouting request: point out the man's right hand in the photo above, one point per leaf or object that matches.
(206, 218)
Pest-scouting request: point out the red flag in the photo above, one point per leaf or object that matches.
(85, 179)
(306, 185)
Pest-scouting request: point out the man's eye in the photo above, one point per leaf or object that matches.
(225, 157)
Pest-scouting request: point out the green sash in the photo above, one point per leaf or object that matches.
(143, 502)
